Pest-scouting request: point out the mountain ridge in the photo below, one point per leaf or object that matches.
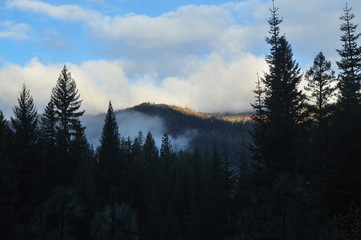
(227, 116)
(187, 128)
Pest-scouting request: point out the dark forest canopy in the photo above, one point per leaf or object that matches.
(294, 173)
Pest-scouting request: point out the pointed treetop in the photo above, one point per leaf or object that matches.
(274, 8)
(110, 106)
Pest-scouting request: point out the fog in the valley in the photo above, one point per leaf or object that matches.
(131, 123)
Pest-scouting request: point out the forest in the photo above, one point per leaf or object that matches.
(300, 180)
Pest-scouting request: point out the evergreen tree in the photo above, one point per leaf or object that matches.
(27, 161)
(150, 150)
(350, 63)
(344, 184)
(320, 78)
(280, 179)
(152, 182)
(8, 184)
(167, 163)
(166, 150)
(320, 84)
(108, 153)
(277, 138)
(25, 124)
(66, 100)
(109, 148)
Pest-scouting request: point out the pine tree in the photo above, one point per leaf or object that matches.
(350, 63)
(25, 124)
(8, 183)
(110, 138)
(166, 151)
(66, 103)
(108, 153)
(344, 183)
(27, 160)
(109, 149)
(276, 141)
(151, 155)
(66, 100)
(320, 84)
(280, 176)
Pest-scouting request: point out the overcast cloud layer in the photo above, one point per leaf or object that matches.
(205, 57)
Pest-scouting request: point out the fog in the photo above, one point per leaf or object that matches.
(131, 123)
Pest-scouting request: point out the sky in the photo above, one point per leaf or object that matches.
(204, 55)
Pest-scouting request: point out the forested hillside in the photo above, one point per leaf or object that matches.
(206, 130)
(186, 128)
(295, 175)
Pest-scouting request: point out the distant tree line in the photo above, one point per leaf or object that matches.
(302, 181)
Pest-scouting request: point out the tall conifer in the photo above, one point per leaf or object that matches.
(280, 180)
(66, 99)
(277, 139)
(350, 63)
(108, 154)
(28, 166)
(109, 149)
(25, 123)
(344, 184)
(321, 87)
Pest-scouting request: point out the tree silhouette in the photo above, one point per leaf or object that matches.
(108, 154)
(25, 124)
(66, 100)
(321, 86)
(350, 63)
(277, 136)
(344, 185)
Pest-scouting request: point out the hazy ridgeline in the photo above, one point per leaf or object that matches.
(153, 172)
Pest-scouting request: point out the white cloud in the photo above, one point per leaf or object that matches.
(160, 46)
(217, 85)
(163, 45)
(188, 24)
(64, 12)
(17, 31)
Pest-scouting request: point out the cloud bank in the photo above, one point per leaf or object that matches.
(217, 84)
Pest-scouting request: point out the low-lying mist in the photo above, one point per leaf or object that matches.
(131, 123)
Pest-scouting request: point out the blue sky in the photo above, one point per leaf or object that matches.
(199, 54)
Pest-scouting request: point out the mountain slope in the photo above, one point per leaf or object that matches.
(187, 128)
(208, 130)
